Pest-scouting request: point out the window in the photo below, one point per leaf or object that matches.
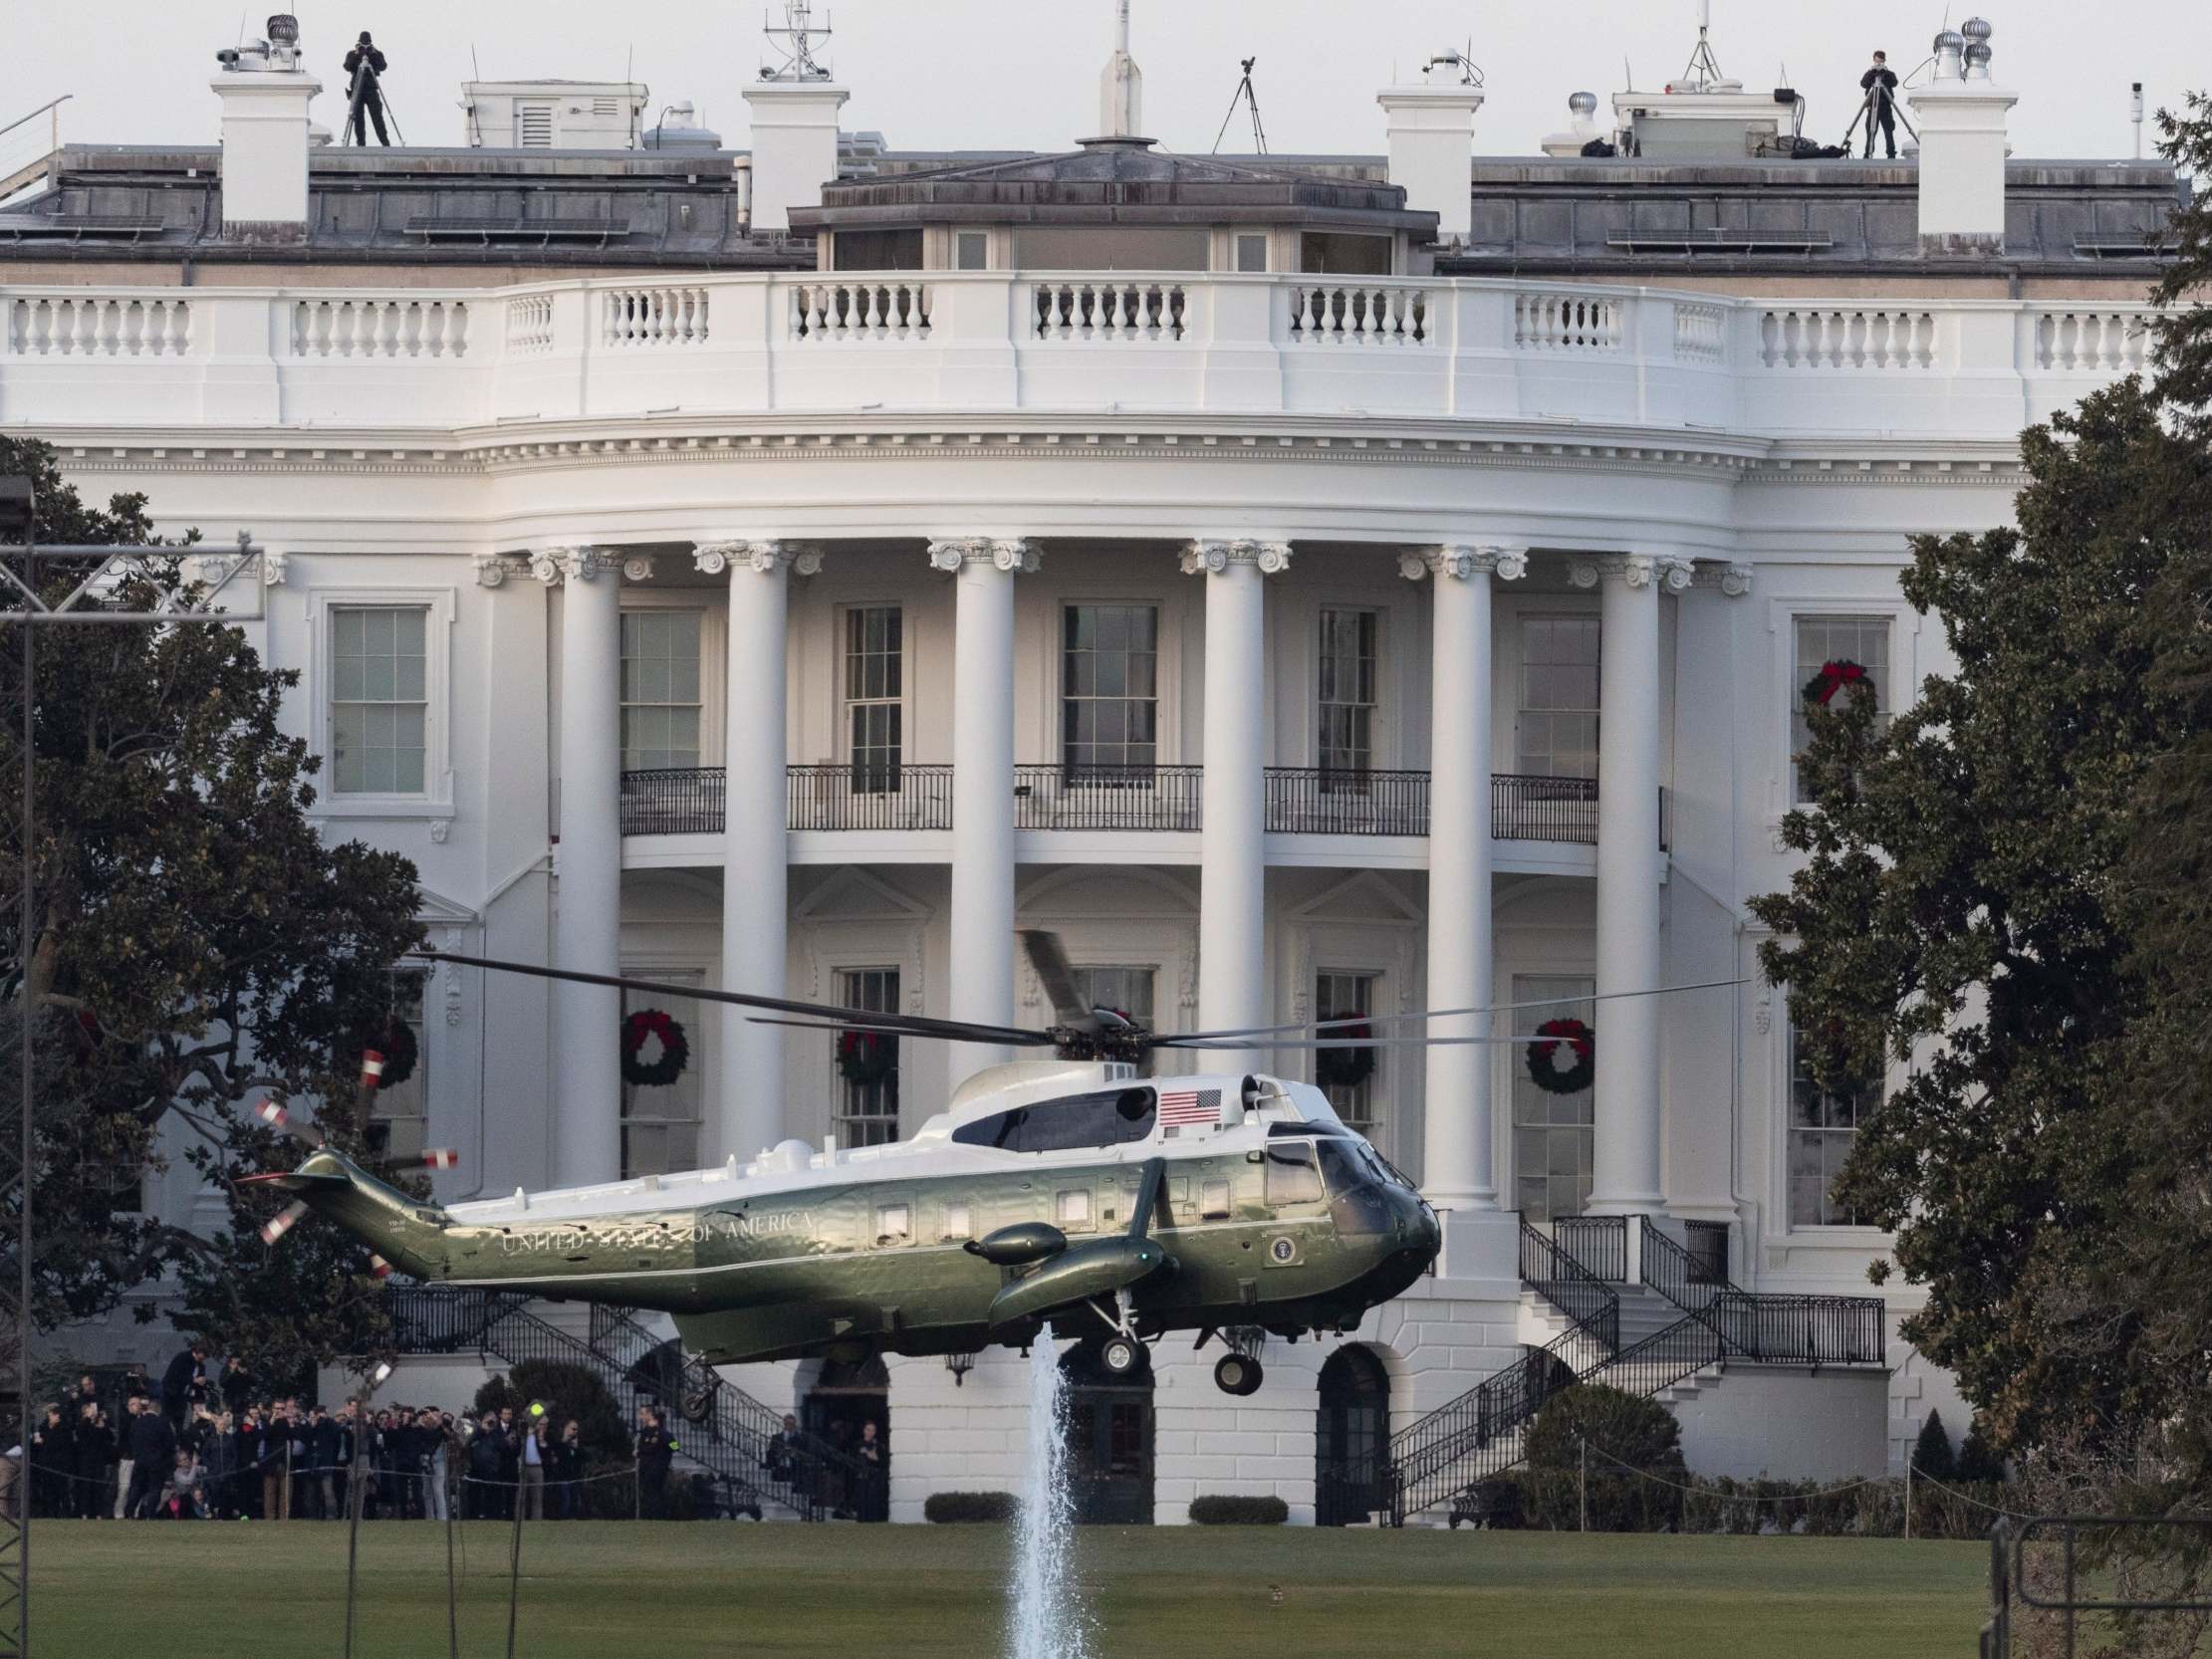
(1072, 1208)
(1213, 1200)
(1128, 991)
(1821, 1128)
(959, 1222)
(1553, 1135)
(661, 1125)
(877, 249)
(1251, 252)
(399, 1113)
(379, 699)
(1290, 1175)
(1557, 722)
(1110, 248)
(1110, 689)
(1109, 1119)
(867, 1107)
(1339, 995)
(893, 1224)
(971, 250)
(1820, 640)
(874, 697)
(1344, 253)
(660, 689)
(1345, 683)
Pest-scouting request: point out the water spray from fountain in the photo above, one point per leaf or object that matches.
(1045, 1612)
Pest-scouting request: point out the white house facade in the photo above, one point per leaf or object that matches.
(1308, 591)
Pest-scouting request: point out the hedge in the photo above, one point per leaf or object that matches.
(1237, 1510)
(953, 1507)
(1546, 1498)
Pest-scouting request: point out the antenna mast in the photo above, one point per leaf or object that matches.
(795, 43)
(1705, 69)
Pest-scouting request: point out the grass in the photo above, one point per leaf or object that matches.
(244, 1591)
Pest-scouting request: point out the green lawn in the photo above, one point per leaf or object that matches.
(245, 1590)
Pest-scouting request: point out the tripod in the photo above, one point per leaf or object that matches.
(366, 78)
(1868, 114)
(1243, 95)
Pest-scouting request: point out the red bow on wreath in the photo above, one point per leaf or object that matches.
(676, 1048)
(1544, 1069)
(1833, 677)
(865, 1057)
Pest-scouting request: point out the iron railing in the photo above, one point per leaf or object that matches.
(1479, 1434)
(1107, 796)
(1597, 1244)
(1547, 1269)
(851, 796)
(1663, 1359)
(1531, 809)
(1772, 1327)
(1333, 801)
(2080, 1541)
(1707, 1243)
(684, 800)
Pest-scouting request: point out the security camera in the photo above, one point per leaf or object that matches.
(228, 56)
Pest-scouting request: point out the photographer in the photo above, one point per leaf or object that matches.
(364, 66)
(1879, 83)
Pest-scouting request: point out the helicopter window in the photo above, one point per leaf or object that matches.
(1075, 1210)
(1343, 1166)
(893, 1224)
(1290, 1175)
(1213, 1200)
(1108, 1118)
(959, 1222)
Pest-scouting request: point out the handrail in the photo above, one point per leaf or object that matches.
(1572, 1288)
(50, 104)
(1597, 1244)
(1774, 1327)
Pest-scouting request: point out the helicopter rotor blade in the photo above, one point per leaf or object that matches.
(1446, 1012)
(1049, 957)
(1210, 1042)
(910, 1025)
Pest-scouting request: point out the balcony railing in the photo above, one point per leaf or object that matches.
(1301, 800)
(1107, 796)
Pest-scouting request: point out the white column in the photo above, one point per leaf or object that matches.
(1629, 1128)
(982, 962)
(750, 1109)
(1457, 1159)
(587, 1127)
(1232, 858)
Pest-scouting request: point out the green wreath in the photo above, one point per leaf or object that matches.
(1834, 678)
(675, 1050)
(867, 1056)
(395, 1039)
(1349, 1064)
(1544, 1069)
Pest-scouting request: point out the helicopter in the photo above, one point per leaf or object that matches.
(1069, 1191)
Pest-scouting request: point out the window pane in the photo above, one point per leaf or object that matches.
(1109, 679)
(380, 711)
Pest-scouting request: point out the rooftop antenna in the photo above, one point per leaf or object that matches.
(1470, 73)
(1705, 69)
(2135, 115)
(795, 43)
(1243, 95)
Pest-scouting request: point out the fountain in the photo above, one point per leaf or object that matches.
(1044, 1614)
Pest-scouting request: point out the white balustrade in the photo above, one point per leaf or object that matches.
(2092, 342)
(1822, 337)
(1565, 321)
(675, 315)
(98, 326)
(1107, 308)
(1699, 331)
(530, 324)
(857, 309)
(1366, 314)
(376, 327)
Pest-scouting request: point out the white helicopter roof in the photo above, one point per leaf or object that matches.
(1249, 1104)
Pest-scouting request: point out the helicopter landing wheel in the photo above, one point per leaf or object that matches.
(697, 1405)
(1121, 1355)
(1234, 1373)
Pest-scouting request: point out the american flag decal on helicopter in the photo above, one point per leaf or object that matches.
(1178, 1106)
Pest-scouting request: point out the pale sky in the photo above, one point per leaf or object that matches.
(1022, 73)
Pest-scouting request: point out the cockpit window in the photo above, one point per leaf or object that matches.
(1108, 1118)
(1290, 1175)
(1343, 1166)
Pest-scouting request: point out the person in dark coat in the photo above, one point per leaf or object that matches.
(566, 1471)
(326, 1435)
(509, 1462)
(181, 1382)
(237, 1387)
(656, 1455)
(152, 1443)
(1879, 83)
(52, 1460)
(364, 69)
(95, 1454)
(486, 1452)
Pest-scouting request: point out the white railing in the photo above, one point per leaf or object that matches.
(1823, 338)
(354, 327)
(1366, 314)
(92, 326)
(2092, 342)
(530, 324)
(859, 309)
(675, 315)
(1107, 309)
(1566, 322)
(1246, 346)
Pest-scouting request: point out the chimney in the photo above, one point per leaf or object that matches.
(1432, 134)
(265, 96)
(795, 147)
(1960, 113)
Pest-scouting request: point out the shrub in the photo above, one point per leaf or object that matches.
(1931, 1453)
(1621, 1428)
(568, 1391)
(948, 1508)
(1236, 1510)
(1978, 1459)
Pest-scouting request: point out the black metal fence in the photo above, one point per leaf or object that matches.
(685, 801)
(1531, 809)
(849, 797)
(1785, 1330)
(1325, 801)
(1597, 1243)
(1563, 1282)
(2070, 1544)
(1107, 796)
